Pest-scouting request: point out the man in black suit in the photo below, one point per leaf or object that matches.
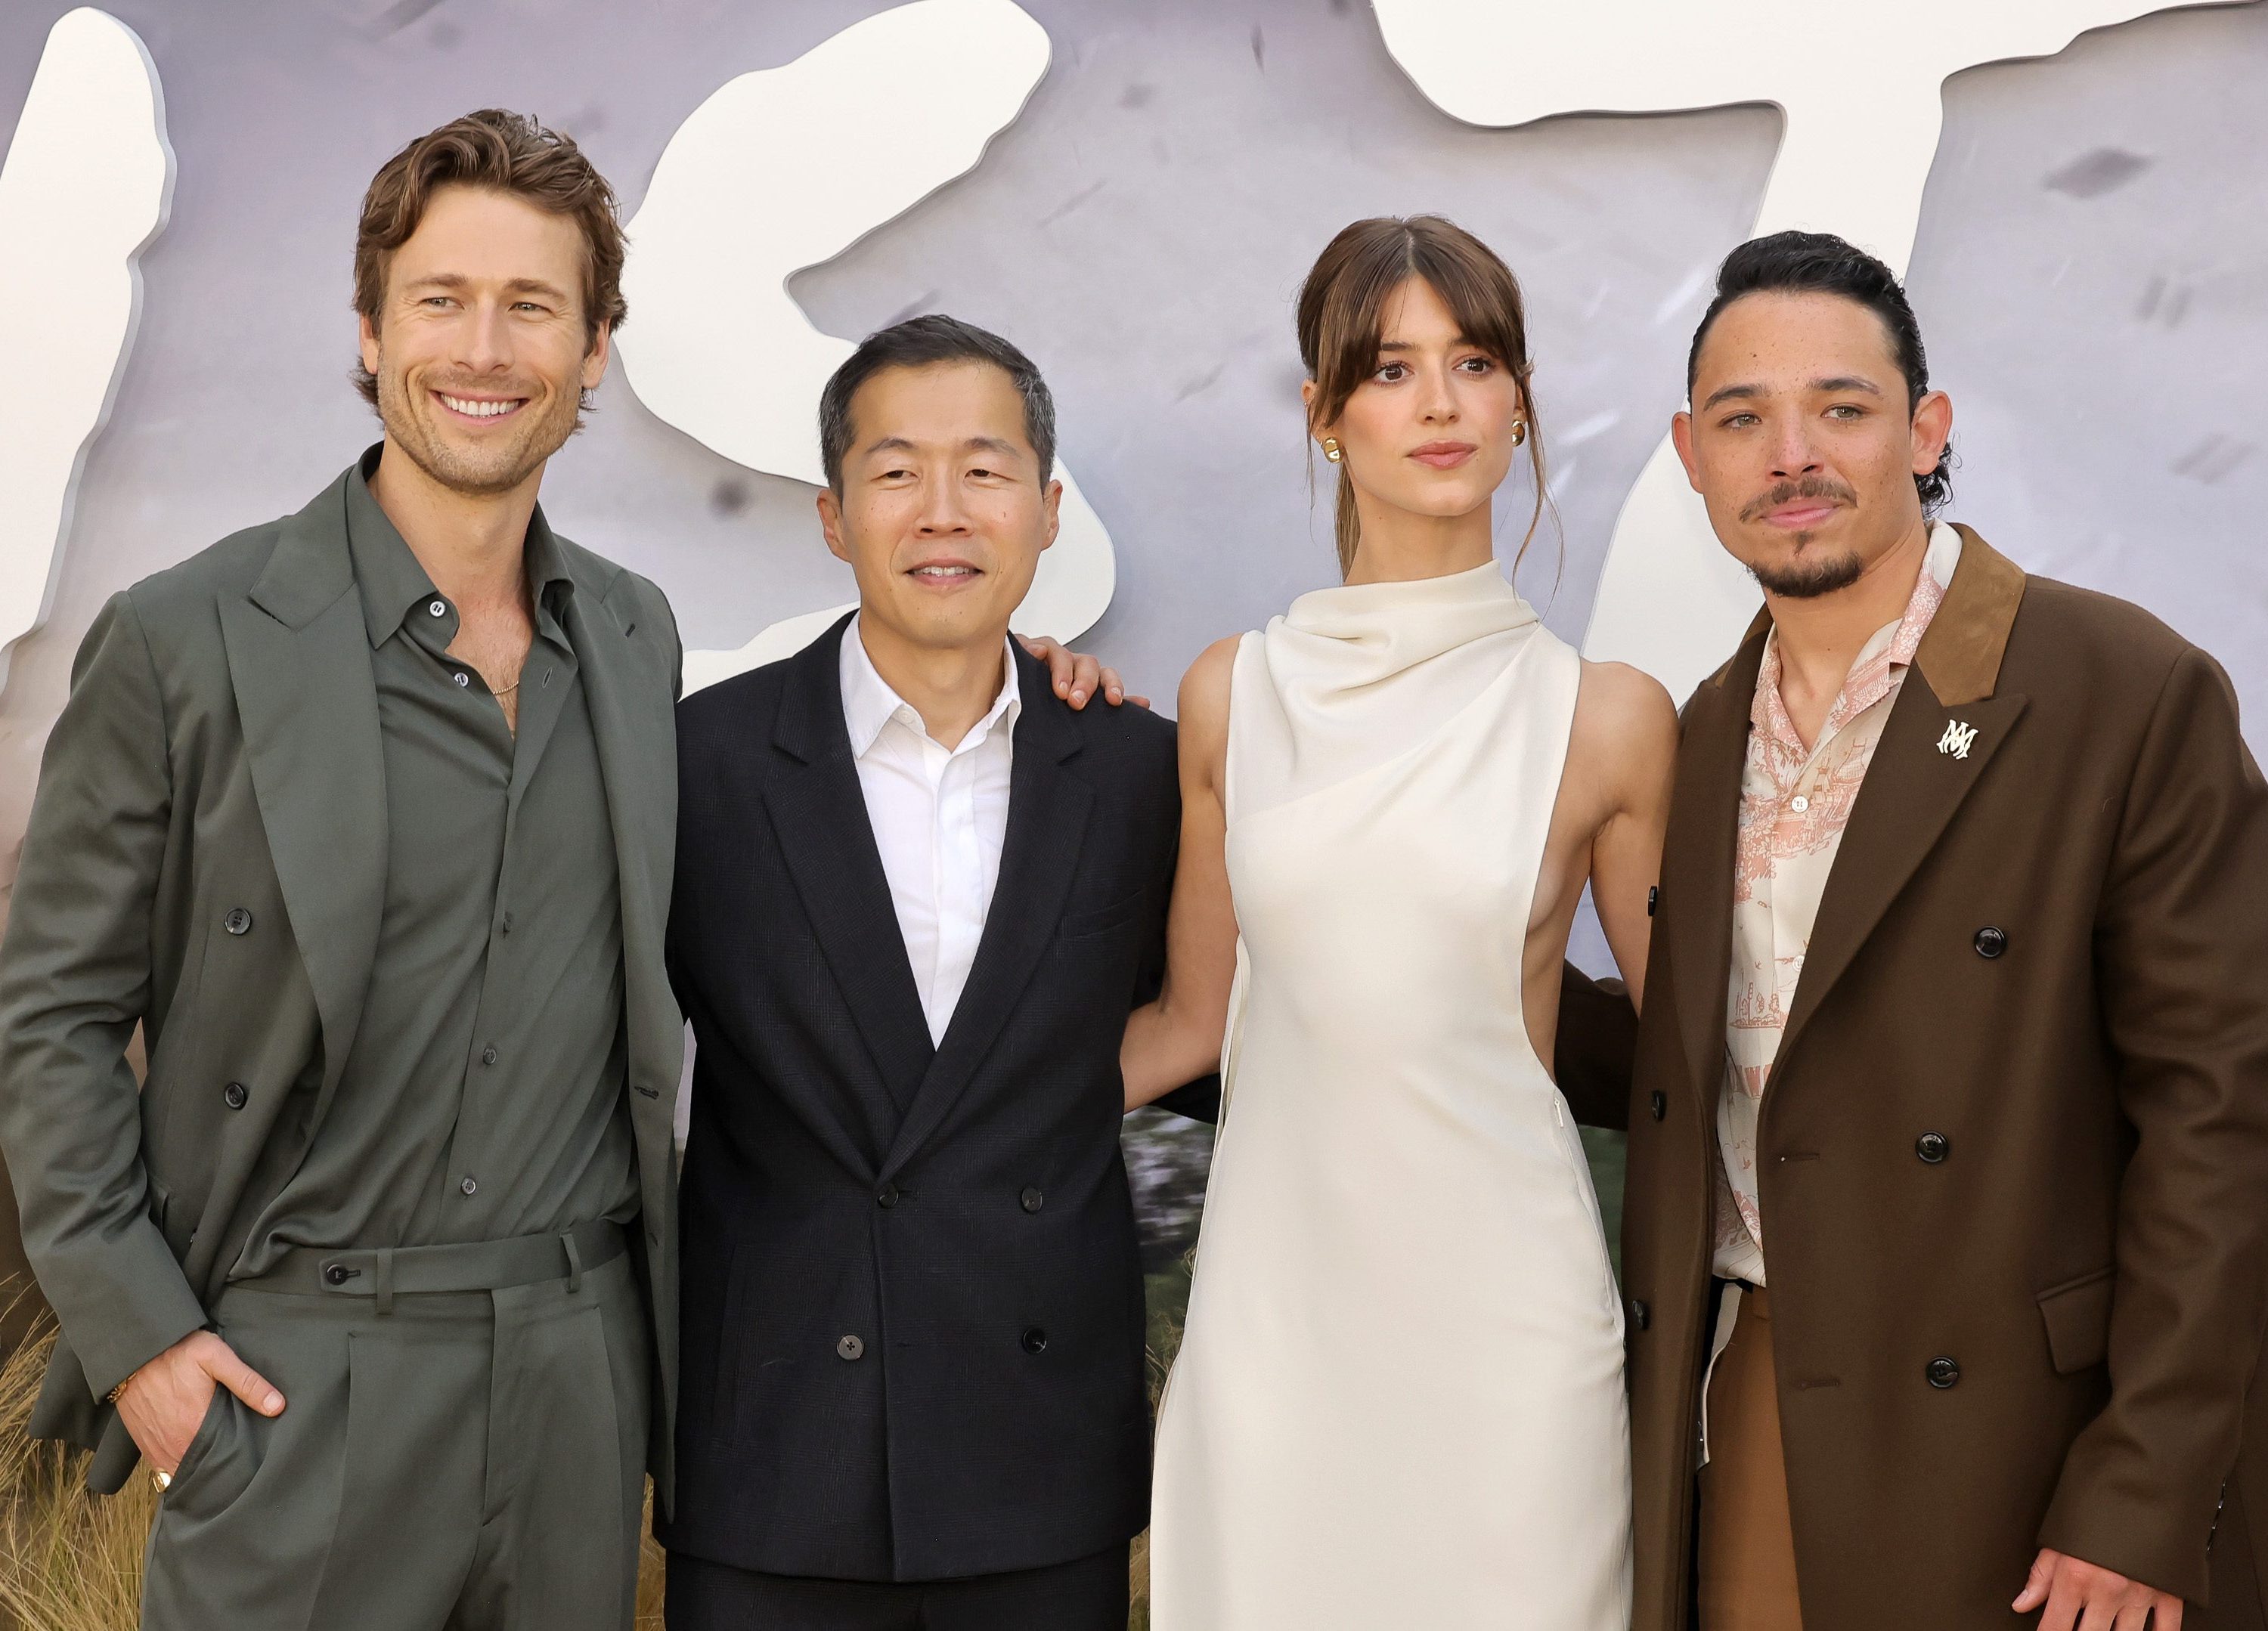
(917, 895)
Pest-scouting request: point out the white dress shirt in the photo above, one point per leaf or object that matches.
(940, 816)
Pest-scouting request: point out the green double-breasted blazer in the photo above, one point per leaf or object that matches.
(206, 859)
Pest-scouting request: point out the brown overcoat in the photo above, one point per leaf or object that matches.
(2086, 1237)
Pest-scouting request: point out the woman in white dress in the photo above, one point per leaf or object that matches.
(1399, 1400)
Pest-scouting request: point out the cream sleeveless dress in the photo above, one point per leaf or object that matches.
(1399, 1400)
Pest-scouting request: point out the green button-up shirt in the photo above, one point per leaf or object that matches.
(485, 1095)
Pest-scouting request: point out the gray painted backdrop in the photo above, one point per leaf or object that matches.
(2088, 272)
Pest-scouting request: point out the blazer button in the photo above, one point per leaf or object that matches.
(1944, 1372)
(886, 1196)
(1031, 1200)
(1659, 1106)
(1640, 1315)
(234, 1096)
(1035, 1341)
(1990, 942)
(1932, 1148)
(238, 921)
(851, 1347)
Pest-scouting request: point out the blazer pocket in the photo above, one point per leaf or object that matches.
(2077, 1318)
(1102, 920)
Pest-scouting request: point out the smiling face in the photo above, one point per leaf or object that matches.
(942, 511)
(1801, 443)
(482, 351)
(1430, 431)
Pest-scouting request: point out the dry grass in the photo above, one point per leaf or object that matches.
(68, 1560)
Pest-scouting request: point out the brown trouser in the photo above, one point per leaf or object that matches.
(1748, 1549)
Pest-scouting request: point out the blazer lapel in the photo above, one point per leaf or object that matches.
(1698, 861)
(819, 813)
(1047, 825)
(630, 694)
(298, 659)
(1943, 730)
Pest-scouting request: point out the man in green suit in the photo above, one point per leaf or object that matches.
(364, 816)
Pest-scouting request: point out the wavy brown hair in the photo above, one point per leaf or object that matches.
(499, 152)
(1342, 318)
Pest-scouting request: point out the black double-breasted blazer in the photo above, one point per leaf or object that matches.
(913, 1317)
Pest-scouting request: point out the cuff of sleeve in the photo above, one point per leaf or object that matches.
(137, 1316)
(2152, 1541)
(122, 1359)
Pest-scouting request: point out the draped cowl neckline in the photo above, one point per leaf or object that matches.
(1369, 632)
(1359, 672)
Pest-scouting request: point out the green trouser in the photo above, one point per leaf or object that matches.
(447, 1459)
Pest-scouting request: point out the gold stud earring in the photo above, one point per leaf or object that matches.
(1519, 433)
(1332, 452)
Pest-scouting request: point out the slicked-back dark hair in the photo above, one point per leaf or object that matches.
(1820, 263)
(925, 342)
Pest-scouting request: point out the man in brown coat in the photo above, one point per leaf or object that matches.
(1958, 1015)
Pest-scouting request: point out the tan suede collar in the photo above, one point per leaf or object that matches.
(1960, 656)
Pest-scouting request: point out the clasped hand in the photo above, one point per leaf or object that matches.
(163, 1403)
(2079, 1595)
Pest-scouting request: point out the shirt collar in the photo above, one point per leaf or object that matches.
(869, 704)
(391, 580)
(1885, 655)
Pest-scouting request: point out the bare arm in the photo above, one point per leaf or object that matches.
(1177, 1037)
(1636, 745)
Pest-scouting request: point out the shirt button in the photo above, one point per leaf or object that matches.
(1035, 1341)
(471, 1187)
(1031, 1200)
(1659, 1104)
(439, 608)
(238, 921)
(1990, 942)
(462, 680)
(1943, 1373)
(1932, 1148)
(851, 1347)
(507, 922)
(1798, 803)
(488, 1055)
(234, 1096)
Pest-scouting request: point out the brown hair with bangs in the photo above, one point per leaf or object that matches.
(500, 152)
(1342, 318)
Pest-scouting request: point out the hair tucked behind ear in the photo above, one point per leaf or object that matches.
(1342, 318)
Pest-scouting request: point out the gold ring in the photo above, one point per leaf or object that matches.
(162, 1478)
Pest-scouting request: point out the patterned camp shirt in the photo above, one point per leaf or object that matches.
(1795, 802)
